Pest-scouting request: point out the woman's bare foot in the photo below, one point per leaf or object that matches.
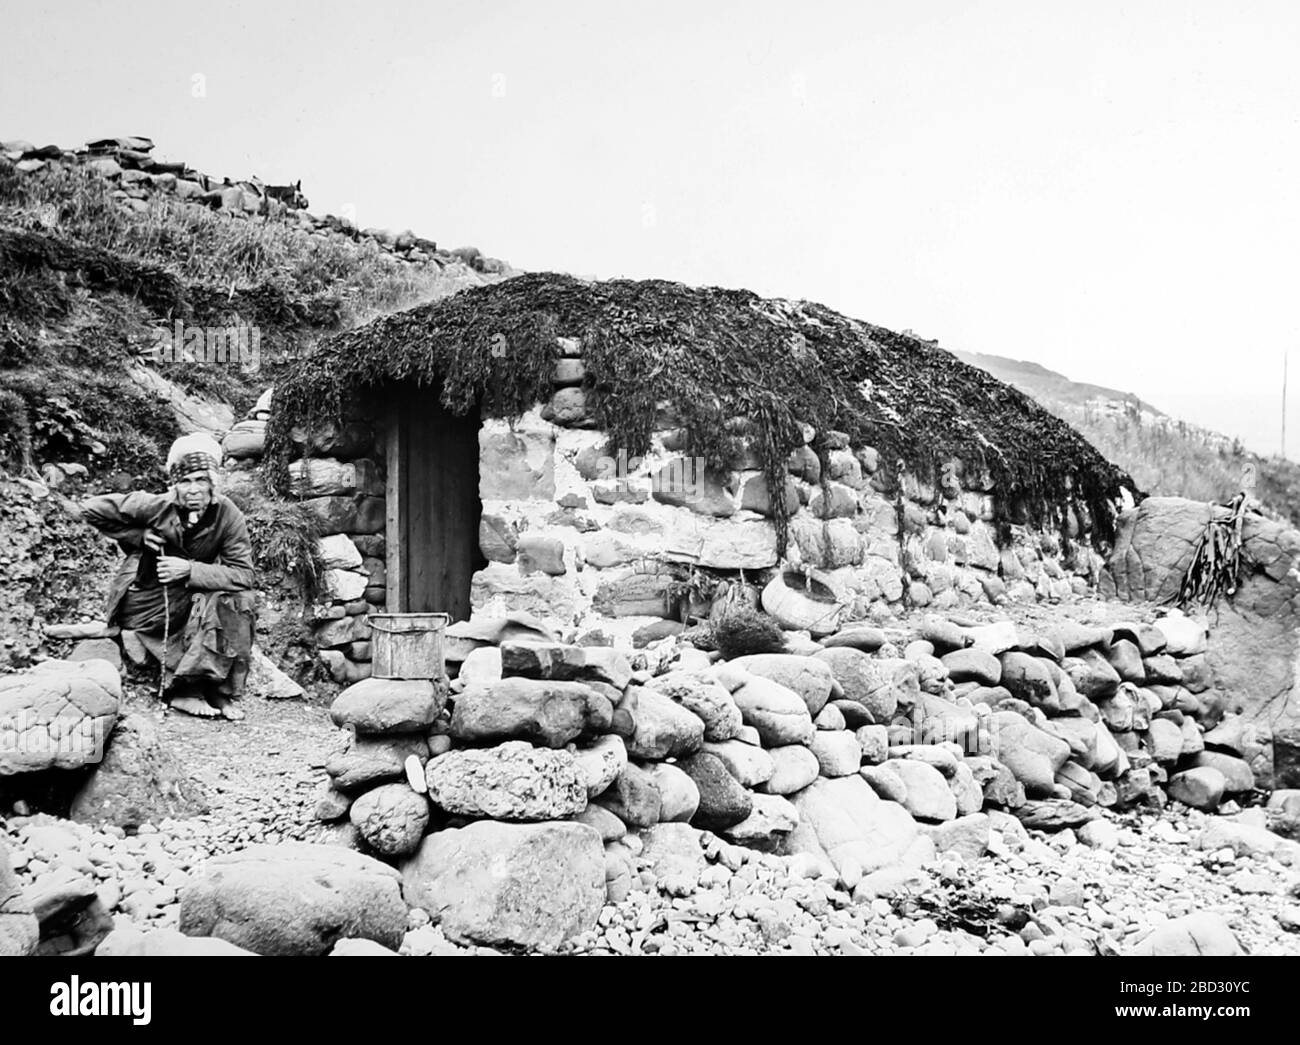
(226, 708)
(192, 705)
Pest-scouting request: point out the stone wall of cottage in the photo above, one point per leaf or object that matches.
(628, 551)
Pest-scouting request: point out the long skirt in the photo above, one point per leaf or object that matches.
(209, 634)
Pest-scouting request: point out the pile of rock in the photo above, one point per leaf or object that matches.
(860, 760)
(128, 164)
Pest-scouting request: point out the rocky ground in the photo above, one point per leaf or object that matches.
(1031, 893)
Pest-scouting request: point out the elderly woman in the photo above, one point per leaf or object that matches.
(186, 585)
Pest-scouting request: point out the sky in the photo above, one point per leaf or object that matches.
(1107, 189)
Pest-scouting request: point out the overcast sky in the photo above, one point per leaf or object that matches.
(1108, 189)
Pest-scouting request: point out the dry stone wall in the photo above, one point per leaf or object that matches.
(628, 550)
(581, 531)
(129, 164)
(862, 757)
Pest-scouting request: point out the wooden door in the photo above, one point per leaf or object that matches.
(433, 505)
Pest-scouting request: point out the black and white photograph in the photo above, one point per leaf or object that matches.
(571, 479)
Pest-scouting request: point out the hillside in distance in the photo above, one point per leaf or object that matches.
(1165, 456)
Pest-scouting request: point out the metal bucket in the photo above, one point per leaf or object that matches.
(408, 645)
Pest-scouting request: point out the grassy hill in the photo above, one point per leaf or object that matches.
(1163, 455)
(87, 283)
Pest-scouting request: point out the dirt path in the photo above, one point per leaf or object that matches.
(260, 774)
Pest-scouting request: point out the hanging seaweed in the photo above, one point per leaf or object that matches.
(714, 357)
(1215, 566)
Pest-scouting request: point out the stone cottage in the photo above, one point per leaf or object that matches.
(620, 458)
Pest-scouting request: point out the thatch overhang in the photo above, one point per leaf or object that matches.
(718, 356)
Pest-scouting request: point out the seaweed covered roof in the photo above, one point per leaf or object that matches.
(717, 355)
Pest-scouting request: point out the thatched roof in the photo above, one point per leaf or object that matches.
(717, 355)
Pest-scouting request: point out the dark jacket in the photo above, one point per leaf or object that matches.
(220, 553)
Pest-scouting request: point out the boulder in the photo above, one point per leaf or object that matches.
(514, 781)
(794, 767)
(294, 898)
(1200, 788)
(1163, 670)
(1237, 774)
(1080, 734)
(386, 706)
(633, 797)
(771, 820)
(779, 714)
(1123, 710)
(1245, 839)
(704, 698)
(19, 931)
(600, 763)
(810, 677)
(838, 753)
(544, 712)
(338, 552)
(968, 792)
(133, 942)
(672, 849)
(830, 718)
(750, 765)
(723, 801)
(1165, 742)
(845, 821)
(565, 663)
(610, 827)
(138, 782)
(880, 685)
(391, 818)
(664, 729)
(854, 714)
(266, 680)
(1192, 936)
(1053, 814)
(928, 796)
(886, 782)
(1029, 679)
(367, 761)
(1000, 786)
(1184, 636)
(973, 665)
(1032, 755)
(874, 743)
(58, 714)
(996, 638)
(97, 649)
(967, 836)
(679, 796)
(497, 631)
(1074, 636)
(943, 634)
(1149, 639)
(509, 885)
(1125, 657)
(938, 720)
(1092, 674)
(866, 639)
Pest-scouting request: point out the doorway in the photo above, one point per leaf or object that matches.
(433, 505)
